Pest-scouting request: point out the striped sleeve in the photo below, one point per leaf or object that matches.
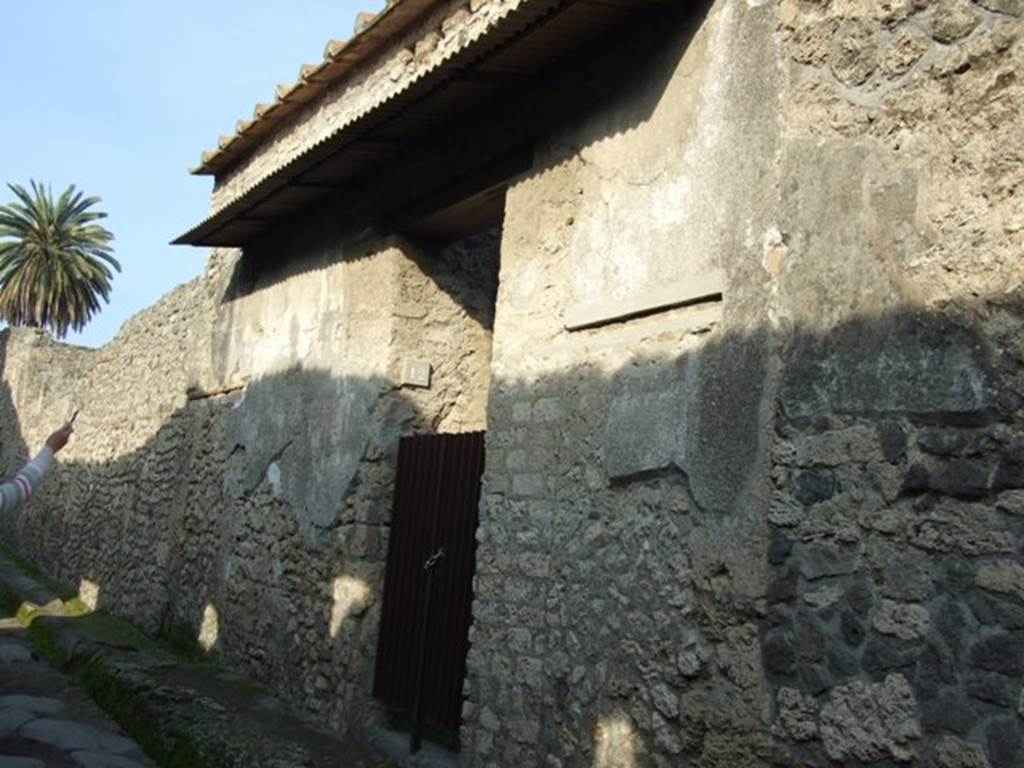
(18, 489)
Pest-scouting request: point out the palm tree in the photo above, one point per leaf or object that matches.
(55, 261)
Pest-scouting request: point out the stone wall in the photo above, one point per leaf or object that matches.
(776, 521)
(894, 626)
(104, 517)
(231, 477)
(621, 565)
(782, 530)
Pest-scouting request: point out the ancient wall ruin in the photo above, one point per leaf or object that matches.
(231, 477)
(783, 529)
(620, 569)
(773, 521)
(893, 628)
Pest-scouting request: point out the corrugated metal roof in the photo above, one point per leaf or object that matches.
(523, 44)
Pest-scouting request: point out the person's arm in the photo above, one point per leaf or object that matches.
(19, 488)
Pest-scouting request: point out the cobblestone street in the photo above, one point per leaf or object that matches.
(46, 720)
(186, 711)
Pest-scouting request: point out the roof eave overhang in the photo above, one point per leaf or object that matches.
(513, 49)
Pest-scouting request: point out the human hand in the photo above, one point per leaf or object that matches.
(59, 439)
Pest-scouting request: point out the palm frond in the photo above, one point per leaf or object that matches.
(55, 260)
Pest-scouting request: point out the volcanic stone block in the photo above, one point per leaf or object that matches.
(859, 596)
(809, 640)
(995, 610)
(779, 656)
(941, 441)
(963, 478)
(1003, 653)
(783, 589)
(883, 656)
(995, 689)
(851, 629)
(1010, 472)
(917, 480)
(948, 711)
(817, 561)
(842, 663)
(950, 624)
(893, 439)
(779, 549)
(935, 670)
(1003, 739)
(814, 486)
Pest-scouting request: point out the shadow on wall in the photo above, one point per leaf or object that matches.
(809, 523)
(269, 554)
(825, 523)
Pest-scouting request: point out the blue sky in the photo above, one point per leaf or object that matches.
(120, 97)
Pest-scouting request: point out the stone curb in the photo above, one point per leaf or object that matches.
(184, 713)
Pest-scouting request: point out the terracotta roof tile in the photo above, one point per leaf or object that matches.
(284, 90)
(363, 20)
(334, 47)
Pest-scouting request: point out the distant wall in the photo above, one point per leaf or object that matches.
(230, 479)
(108, 512)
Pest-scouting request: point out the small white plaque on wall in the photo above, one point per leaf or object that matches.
(707, 286)
(415, 373)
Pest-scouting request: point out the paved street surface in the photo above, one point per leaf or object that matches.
(45, 720)
(192, 710)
